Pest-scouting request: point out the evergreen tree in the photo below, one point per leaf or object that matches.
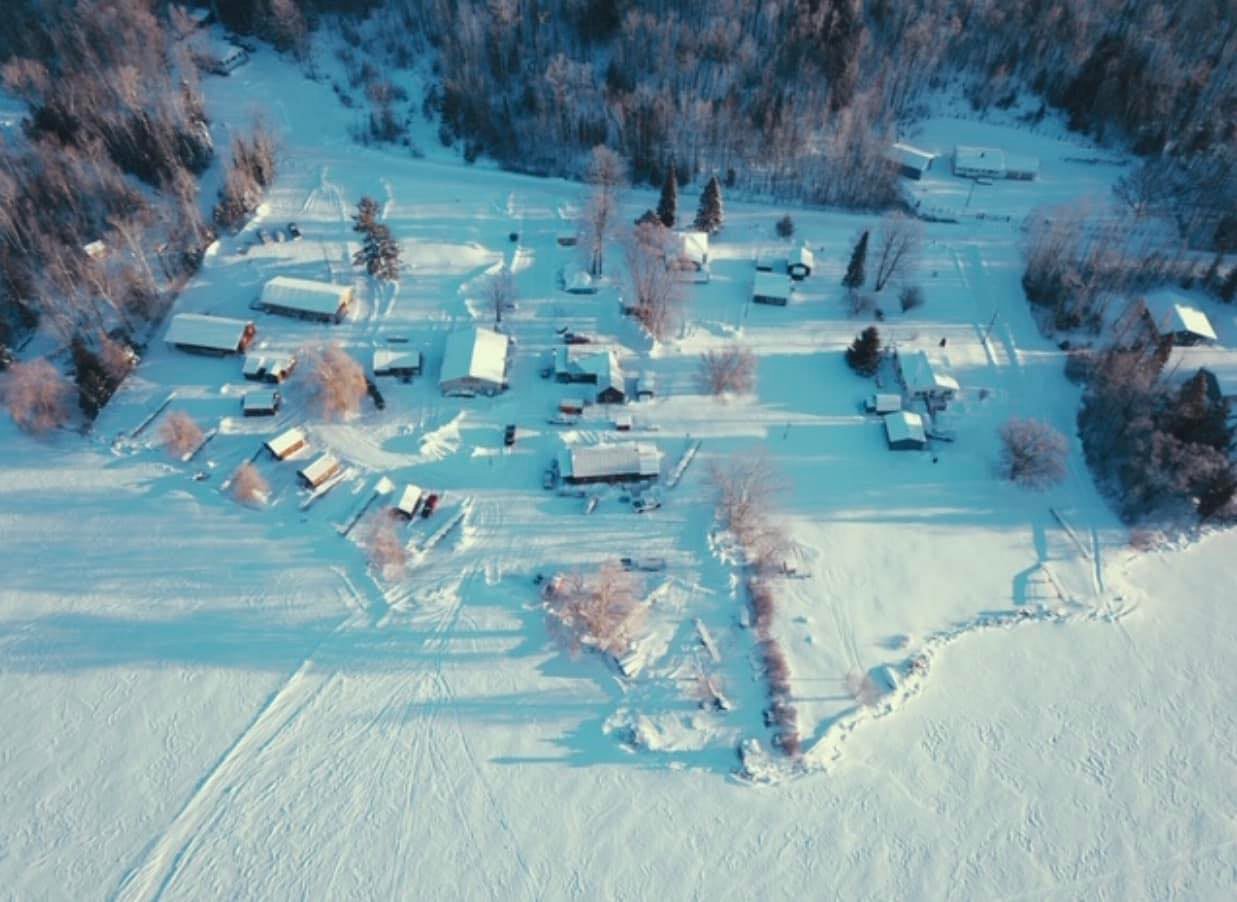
(379, 254)
(709, 217)
(668, 204)
(855, 274)
(366, 215)
(864, 354)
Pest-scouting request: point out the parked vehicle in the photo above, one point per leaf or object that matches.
(575, 338)
(295, 231)
(645, 503)
(429, 505)
(509, 435)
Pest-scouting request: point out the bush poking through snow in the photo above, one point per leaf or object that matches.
(384, 546)
(910, 297)
(1033, 453)
(730, 370)
(335, 381)
(249, 486)
(180, 433)
(37, 396)
(602, 610)
(785, 227)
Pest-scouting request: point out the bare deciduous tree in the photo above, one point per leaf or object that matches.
(607, 174)
(748, 488)
(249, 486)
(180, 433)
(500, 292)
(37, 396)
(1032, 453)
(896, 247)
(656, 293)
(335, 382)
(729, 370)
(384, 546)
(602, 610)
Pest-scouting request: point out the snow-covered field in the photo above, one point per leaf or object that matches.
(202, 700)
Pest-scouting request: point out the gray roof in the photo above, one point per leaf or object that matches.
(605, 461)
(306, 295)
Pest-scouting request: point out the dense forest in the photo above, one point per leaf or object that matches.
(787, 98)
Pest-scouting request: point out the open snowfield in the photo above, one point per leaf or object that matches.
(200, 700)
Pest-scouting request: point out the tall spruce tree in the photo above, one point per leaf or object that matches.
(366, 215)
(709, 217)
(855, 274)
(668, 204)
(864, 355)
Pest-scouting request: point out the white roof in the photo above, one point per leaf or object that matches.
(1173, 318)
(771, 285)
(320, 469)
(802, 256)
(286, 441)
(694, 246)
(201, 331)
(887, 403)
(475, 353)
(262, 399)
(921, 375)
(905, 425)
(987, 158)
(577, 279)
(306, 295)
(408, 499)
(257, 363)
(386, 359)
(1183, 363)
(601, 461)
(906, 155)
(95, 249)
(1017, 162)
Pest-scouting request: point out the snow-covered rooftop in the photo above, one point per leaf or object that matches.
(771, 285)
(638, 459)
(905, 425)
(408, 499)
(386, 360)
(910, 156)
(286, 442)
(694, 246)
(1175, 318)
(979, 159)
(922, 376)
(305, 295)
(801, 256)
(260, 399)
(475, 353)
(320, 470)
(201, 331)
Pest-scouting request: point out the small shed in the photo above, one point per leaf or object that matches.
(306, 299)
(912, 162)
(402, 363)
(216, 335)
(409, 501)
(624, 462)
(771, 288)
(646, 386)
(904, 431)
(258, 368)
(261, 403)
(767, 261)
(323, 468)
(799, 263)
(475, 361)
(882, 403)
(1184, 324)
(574, 279)
(979, 162)
(573, 407)
(287, 443)
(95, 250)
(623, 422)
